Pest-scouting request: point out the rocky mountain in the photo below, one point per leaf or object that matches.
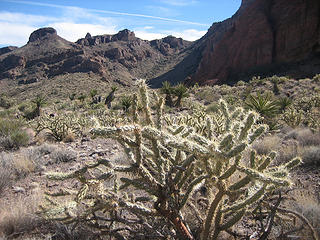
(263, 37)
(121, 57)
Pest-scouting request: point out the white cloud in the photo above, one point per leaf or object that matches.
(24, 18)
(179, 2)
(74, 31)
(148, 35)
(74, 23)
(148, 27)
(15, 34)
(188, 34)
(89, 10)
(17, 27)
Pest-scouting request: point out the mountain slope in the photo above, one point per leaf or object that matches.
(121, 57)
(263, 36)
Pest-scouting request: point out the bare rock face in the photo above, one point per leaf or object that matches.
(42, 33)
(124, 35)
(260, 34)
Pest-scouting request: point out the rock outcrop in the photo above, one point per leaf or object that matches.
(42, 33)
(263, 34)
(124, 35)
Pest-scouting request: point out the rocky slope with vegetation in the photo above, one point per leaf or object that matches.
(114, 58)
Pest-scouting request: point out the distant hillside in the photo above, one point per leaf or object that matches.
(121, 57)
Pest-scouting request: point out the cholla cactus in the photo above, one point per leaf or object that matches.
(60, 125)
(167, 162)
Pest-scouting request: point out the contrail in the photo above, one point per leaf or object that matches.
(108, 12)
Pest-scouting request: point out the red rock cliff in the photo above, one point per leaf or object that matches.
(261, 33)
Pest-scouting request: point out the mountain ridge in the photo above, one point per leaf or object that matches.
(264, 37)
(47, 54)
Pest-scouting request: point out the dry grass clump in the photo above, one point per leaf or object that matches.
(63, 155)
(305, 136)
(6, 170)
(18, 216)
(311, 155)
(307, 205)
(287, 151)
(23, 166)
(267, 144)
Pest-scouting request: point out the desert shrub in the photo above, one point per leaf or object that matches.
(63, 155)
(12, 135)
(213, 108)
(6, 170)
(23, 166)
(166, 165)
(287, 151)
(5, 102)
(46, 148)
(82, 97)
(267, 144)
(311, 156)
(18, 217)
(305, 136)
(61, 231)
(308, 206)
(72, 96)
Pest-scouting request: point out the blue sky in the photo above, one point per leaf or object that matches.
(149, 19)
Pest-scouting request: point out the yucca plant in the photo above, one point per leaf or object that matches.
(39, 101)
(284, 103)
(167, 89)
(181, 91)
(126, 103)
(263, 104)
(110, 97)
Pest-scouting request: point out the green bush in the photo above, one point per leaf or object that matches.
(11, 134)
(5, 102)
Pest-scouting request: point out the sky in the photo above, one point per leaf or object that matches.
(149, 19)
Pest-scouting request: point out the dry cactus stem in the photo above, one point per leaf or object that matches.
(166, 163)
